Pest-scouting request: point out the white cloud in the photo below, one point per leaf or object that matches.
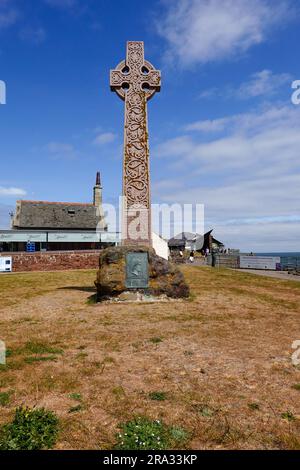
(270, 117)
(104, 138)
(60, 150)
(8, 14)
(263, 83)
(248, 178)
(12, 191)
(32, 35)
(260, 84)
(201, 31)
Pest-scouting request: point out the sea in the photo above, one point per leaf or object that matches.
(287, 260)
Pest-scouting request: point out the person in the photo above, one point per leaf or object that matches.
(192, 254)
(206, 252)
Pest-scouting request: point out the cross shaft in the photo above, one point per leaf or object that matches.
(136, 81)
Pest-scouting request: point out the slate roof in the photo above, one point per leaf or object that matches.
(182, 238)
(55, 215)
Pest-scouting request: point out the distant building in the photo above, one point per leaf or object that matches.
(194, 241)
(57, 225)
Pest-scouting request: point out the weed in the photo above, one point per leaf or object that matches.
(253, 406)
(31, 429)
(296, 387)
(81, 355)
(288, 415)
(118, 391)
(75, 396)
(92, 300)
(32, 359)
(75, 409)
(4, 398)
(158, 396)
(156, 340)
(144, 434)
(34, 347)
(178, 435)
(204, 410)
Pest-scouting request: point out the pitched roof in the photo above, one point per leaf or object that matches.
(182, 238)
(55, 215)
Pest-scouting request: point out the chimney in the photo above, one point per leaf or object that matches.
(97, 201)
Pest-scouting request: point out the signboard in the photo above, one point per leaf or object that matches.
(77, 237)
(30, 247)
(260, 262)
(137, 270)
(10, 236)
(5, 264)
(22, 236)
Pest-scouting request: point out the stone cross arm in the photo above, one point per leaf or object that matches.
(135, 74)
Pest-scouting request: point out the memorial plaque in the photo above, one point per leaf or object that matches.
(137, 270)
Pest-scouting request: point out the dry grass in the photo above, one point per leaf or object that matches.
(222, 359)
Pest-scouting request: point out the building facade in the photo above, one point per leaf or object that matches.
(52, 226)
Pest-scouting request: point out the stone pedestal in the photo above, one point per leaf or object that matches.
(165, 279)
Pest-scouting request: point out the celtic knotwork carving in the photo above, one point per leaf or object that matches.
(136, 81)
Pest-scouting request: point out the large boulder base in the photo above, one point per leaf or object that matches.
(164, 278)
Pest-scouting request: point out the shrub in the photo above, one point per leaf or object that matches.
(31, 429)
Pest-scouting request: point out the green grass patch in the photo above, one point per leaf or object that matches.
(156, 340)
(76, 396)
(35, 347)
(31, 429)
(4, 398)
(296, 387)
(158, 396)
(92, 300)
(81, 355)
(288, 415)
(253, 406)
(33, 359)
(144, 434)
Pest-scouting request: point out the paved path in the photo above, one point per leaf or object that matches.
(277, 274)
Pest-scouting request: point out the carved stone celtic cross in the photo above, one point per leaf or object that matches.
(136, 81)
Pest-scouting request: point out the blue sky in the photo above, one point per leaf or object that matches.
(223, 130)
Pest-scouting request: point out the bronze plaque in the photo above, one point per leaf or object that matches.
(137, 270)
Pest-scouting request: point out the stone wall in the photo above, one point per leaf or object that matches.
(54, 260)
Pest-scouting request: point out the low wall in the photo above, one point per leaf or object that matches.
(225, 261)
(53, 260)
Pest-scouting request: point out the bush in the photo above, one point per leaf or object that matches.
(144, 434)
(31, 429)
